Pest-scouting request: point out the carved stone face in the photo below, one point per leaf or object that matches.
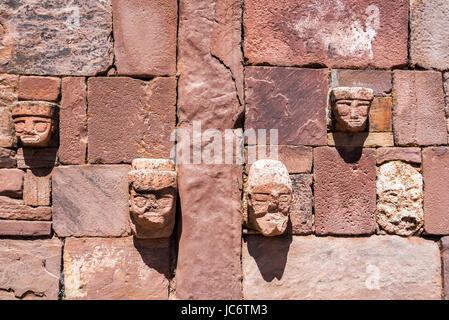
(350, 108)
(269, 197)
(400, 197)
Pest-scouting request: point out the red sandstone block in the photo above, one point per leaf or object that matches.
(37, 187)
(404, 154)
(11, 182)
(301, 210)
(345, 191)
(15, 209)
(39, 88)
(145, 34)
(379, 81)
(25, 228)
(436, 182)
(352, 33)
(380, 114)
(7, 158)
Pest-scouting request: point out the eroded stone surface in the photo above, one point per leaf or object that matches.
(15, 209)
(37, 187)
(11, 183)
(412, 155)
(90, 201)
(16, 228)
(39, 88)
(116, 269)
(7, 158)
(30, 269)
(355, 33)
(379, 267)
(377, 80)
(399, 198)
(78, 42)
(8, 97)
(301, 210)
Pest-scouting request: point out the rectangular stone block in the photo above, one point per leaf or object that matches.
(16, 228)
(436, 200)
(418, 117)
(28, 158)
(352, 33)
(345, 191)
(91, 201)
(378, 80)
(37, 187)
(129, 118)
(79, 41)
(30, 270)
(7, 158)
(380, 114)
(116, 269)
(39, 88)
(361, 139)
(378, 267)
(11, 183)
(15, 209)
(291, 100)
(73, 121)
(412, 155)
(8, 96)
(301, 210)
(145, 34)
(211, 224)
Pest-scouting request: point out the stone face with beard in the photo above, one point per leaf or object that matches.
(269, 197)
(153, 188)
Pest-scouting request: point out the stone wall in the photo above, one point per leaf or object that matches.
(369, 215)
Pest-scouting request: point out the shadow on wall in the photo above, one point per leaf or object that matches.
(350, 154)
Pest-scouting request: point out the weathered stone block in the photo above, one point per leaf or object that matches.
(73, 121)
(290, 100)
(344, 190)
(445, 258)
(412, 155)
(79, 41)
(301, 209)
(37, 158)
(8, 97)
(436, 200)
(9, 87)
(11, 183)
(355, 33)
(418, 117)
(380, 114)
(15, 209)
(130, 119)
(116, 269)
(39, 88)
(361, 139)
(7, 158)
(37, 187)
(145, 34)
(30, 270)
(90, 201)
(377, 80)
(378, 267)
(429, 36)
(16, 228)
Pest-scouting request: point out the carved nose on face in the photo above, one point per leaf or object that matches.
(273, 204)
(354, 113)
(29, 127)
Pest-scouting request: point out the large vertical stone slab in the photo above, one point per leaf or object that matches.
(379, 267)
(209, 246)
(129, 118)
(8, 97)
(429, 35)
(291, 100)
(145, 37)
(90, 201)
(436, 186)
(345, 191)
(30, 270)
(56, 37)
(418, 112)
(301, 209)
(353, 33)
(116, 269)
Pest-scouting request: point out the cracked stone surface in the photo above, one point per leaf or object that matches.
(30, 270)
(45, 37)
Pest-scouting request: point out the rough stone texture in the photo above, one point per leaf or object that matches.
(345, 191)
(30, 270)
(116, 269)
(301, 209)
(399, 198)
(7, 158)
(380, 114)
(8, 97)
(56, 38)
(429, 36)
(90, 201)
(39, 88)
(25, 228)
(276, 98)
(15, 209)
(379, 267)
(365, 139)
(354, 33)
(297, 159)
(377, 80)
(412, 155)
(129, 118)
(11, 183)
(445, 258)
(210, 63)
(9, 87)
(73, 121)
(36, 158)
(211, 224)
(145, 37)
(418, 116)
(436, 200)
(37, 187)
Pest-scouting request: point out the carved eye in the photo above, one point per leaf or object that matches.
(261, 197)
(165, 201)
(284, 198)
(140, 202)
(41, 126)
(20, 126)
(343, 109)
